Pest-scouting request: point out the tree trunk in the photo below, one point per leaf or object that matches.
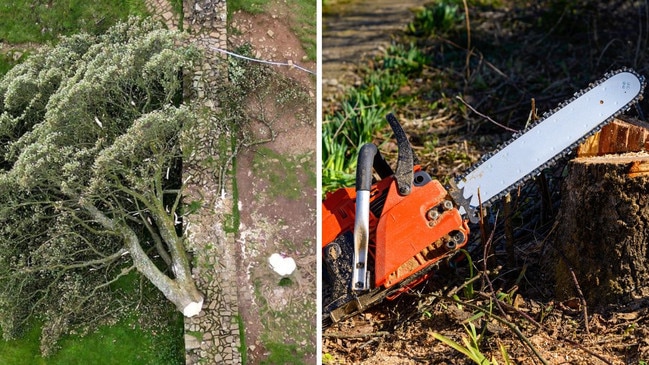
(182, 291)
(603, 229)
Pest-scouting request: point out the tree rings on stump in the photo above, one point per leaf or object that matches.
(602, 230)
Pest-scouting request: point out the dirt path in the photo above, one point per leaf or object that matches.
(355, 31)
(276, 188)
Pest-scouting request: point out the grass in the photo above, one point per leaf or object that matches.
(177, 7)
(233, 219)
(124, 343)
(249, 6)
(305, 29)
(282, 172)
(243, 347)
(281, 353)
(362, 113)
(470, 346)
(7, 60)
(24, 21)
(282, 329)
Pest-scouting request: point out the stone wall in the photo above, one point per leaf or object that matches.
(213, 336)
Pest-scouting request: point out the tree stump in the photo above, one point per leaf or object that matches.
(602, 229)
(619, 136)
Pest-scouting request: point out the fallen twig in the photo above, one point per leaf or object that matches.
(585, 349)
(581, 297)
(510, 307)
(485, 116)
(355, 335)
(457, 289)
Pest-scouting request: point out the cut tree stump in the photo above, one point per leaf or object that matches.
(619, 136)
(603, 224)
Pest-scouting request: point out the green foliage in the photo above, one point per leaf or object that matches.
(243, 347)
(410, 61)
(281, 353)
(362, 111)
(469, 292)
(177, 6)
(437, 17)
(282, 172)
(306, 26)
(233, 220)
(42, 21)
(10, 59)
(89, 134)
(249, 6)
(285, 282)
(327, 358)
(360, 117)
(470, 346)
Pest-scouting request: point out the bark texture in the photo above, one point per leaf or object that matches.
(603, 229)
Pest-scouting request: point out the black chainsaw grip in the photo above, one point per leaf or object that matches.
(364, 166)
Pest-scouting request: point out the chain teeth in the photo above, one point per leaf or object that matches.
(566, 151)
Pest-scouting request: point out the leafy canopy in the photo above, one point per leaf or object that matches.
(89, 128)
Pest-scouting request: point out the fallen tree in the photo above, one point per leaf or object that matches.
(90, 186)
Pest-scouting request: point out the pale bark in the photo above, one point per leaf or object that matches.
(182, 290)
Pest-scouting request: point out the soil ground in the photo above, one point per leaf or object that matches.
(276, 188)
(542, 50)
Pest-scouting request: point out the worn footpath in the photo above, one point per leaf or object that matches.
(213, 336)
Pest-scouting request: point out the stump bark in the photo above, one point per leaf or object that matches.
(602, 229)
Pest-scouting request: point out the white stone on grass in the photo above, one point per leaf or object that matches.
(282, 265)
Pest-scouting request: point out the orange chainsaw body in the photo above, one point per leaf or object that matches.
(405, 238)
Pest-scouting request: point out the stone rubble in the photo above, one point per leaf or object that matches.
(211, 337)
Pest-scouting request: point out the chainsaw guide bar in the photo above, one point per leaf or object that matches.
(549, 139)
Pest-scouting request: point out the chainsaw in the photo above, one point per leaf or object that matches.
(387, 234)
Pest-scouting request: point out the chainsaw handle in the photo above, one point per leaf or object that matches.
(367, 155)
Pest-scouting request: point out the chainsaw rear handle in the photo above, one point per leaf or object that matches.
(368, 156)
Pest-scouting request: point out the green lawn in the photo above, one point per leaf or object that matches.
(306, 27)
(25, 23)
(160, 342)
(42, 21)
(122, 344)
